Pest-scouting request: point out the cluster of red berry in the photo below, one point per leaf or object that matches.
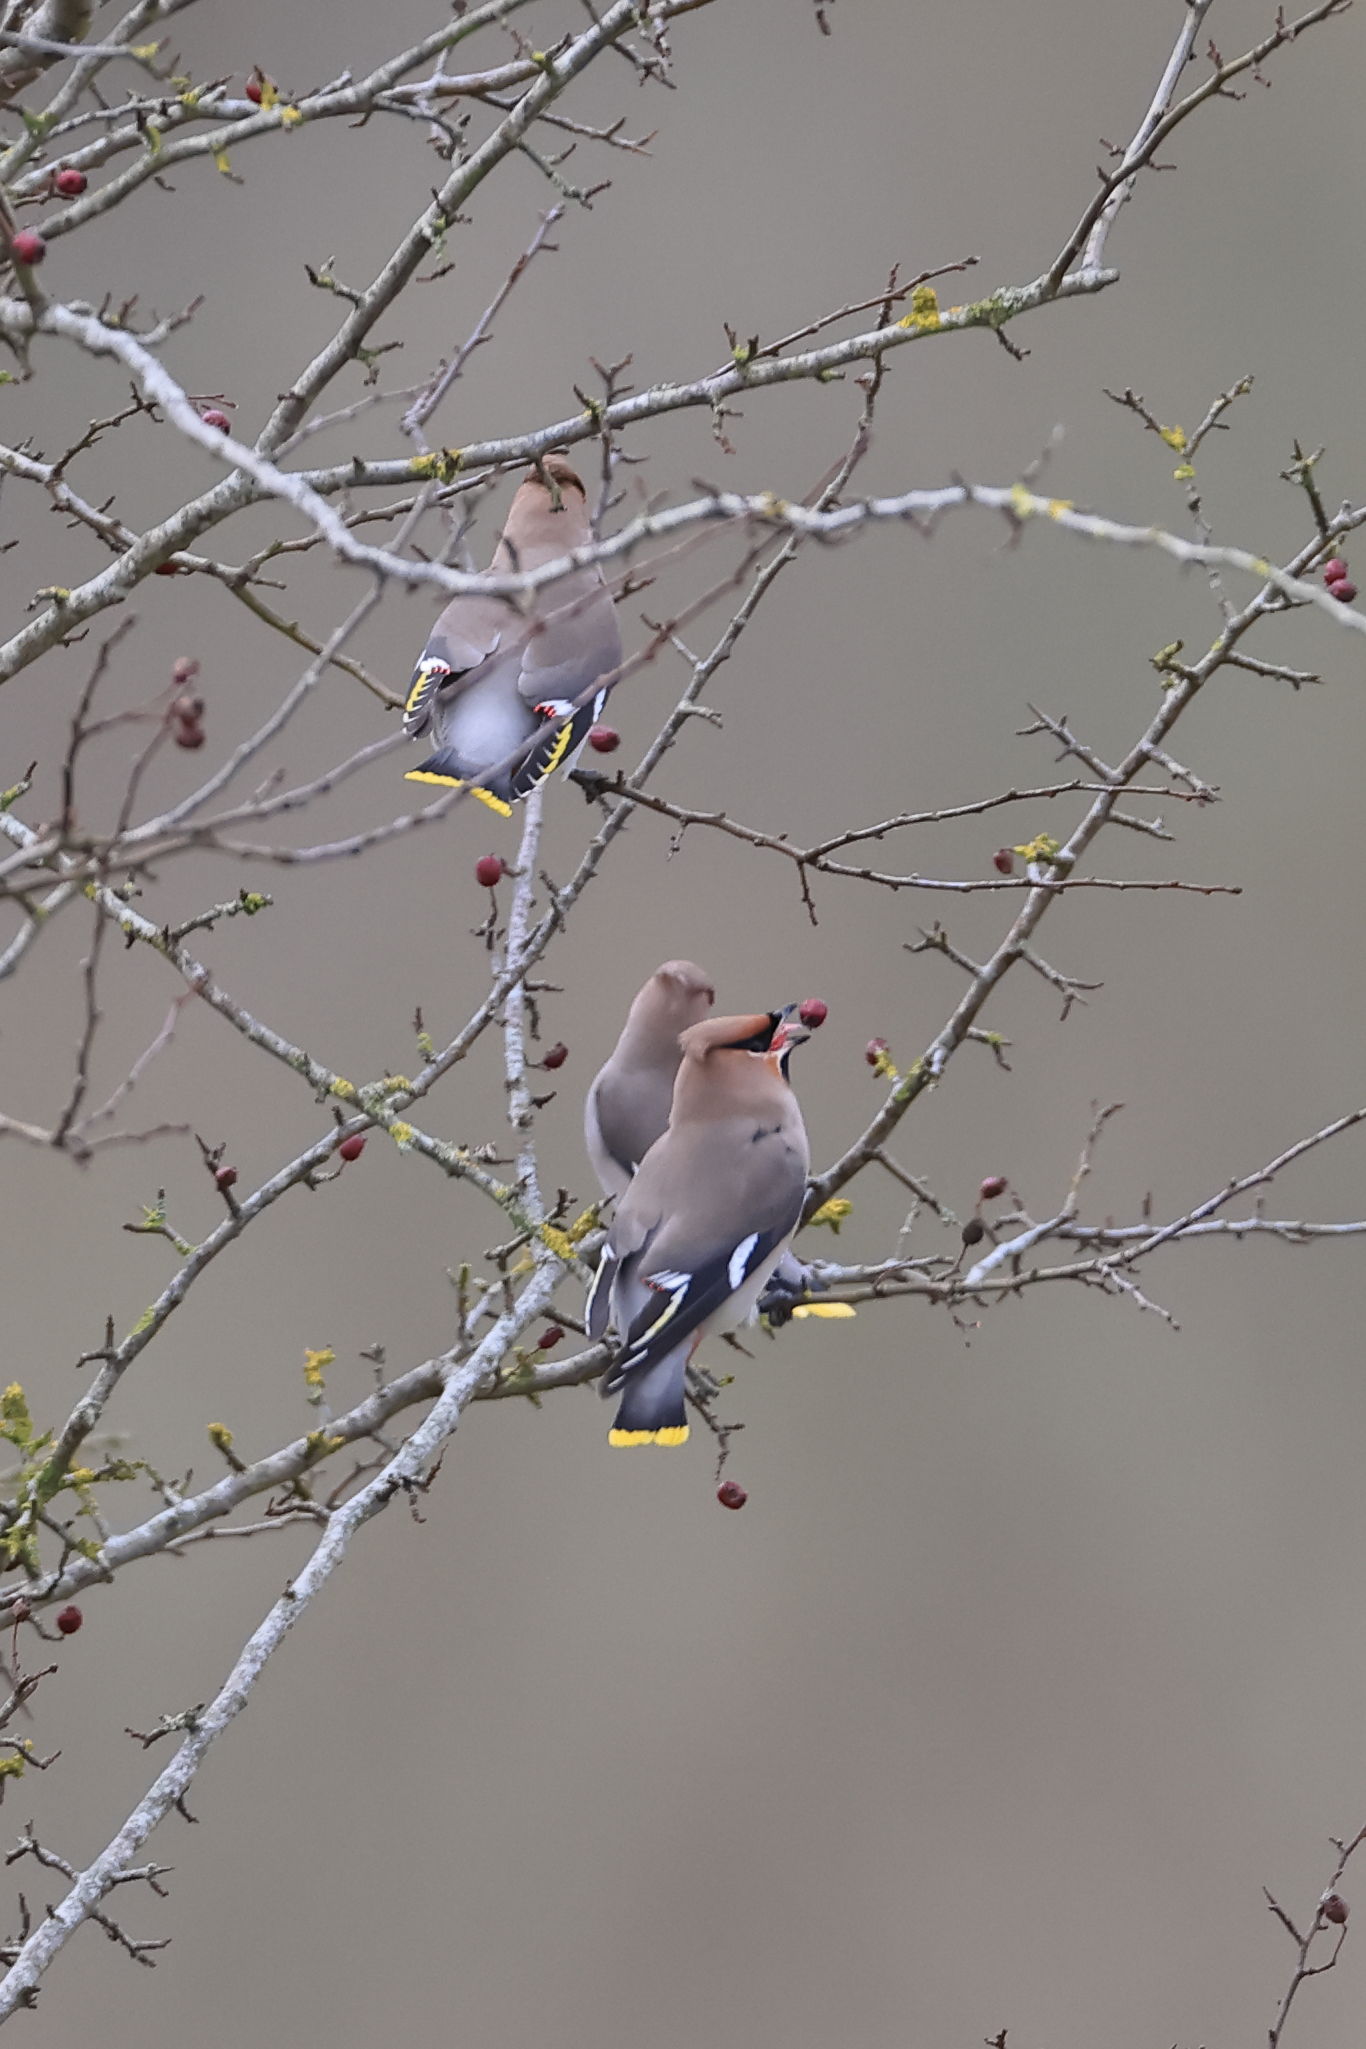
(186, 716)
(28, 245)
(1340, 585)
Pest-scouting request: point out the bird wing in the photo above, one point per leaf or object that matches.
(709, 1206)
(573, 642)
(468, 632)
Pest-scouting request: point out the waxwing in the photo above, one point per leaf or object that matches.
(708, 1215)
(628, 1104)
(499, 682)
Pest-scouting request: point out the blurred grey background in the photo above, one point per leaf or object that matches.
(1036, 1651)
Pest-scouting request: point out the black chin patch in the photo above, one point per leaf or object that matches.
(758, 1042)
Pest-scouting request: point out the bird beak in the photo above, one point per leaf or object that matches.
(789, 1031)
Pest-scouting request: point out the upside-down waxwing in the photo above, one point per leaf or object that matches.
(497, 682)
(629, 1102)
(709, 1214)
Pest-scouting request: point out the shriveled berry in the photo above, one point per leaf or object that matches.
(731, 1494)
(1335, 571)
(28, 247)
(549, 1338)
(1334, 1908)
(1003, 861)
(189, 733)
(556, 1056)
(70, 182)
(167, 569)
(1344, 590)
(352, 1148)
(875, 1051)
(188, 706)
(252, 90)
(974, 1231)
(214, 418)
(488, 870)
(813, 1012)
(226, 1177)
(604, 739)
(994, 1185)
(70, 1620)
(185, 670)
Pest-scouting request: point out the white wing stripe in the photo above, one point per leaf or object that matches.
(739, 1259)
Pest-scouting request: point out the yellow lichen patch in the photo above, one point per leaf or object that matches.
(1184, 472)
(1175, 437)
(402, 1135)
(559, 1242)
(442, 463)
(344, 1089)
(1041, 848)
(315, 1366)
(290, 117)
(834, 1212)
(923, 317)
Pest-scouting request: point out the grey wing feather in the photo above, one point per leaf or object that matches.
(574, 642)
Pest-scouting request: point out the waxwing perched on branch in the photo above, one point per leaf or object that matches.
(629, 1102)
(499, 682)
(709, 1214)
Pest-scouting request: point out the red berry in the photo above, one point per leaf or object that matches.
(731, 1494)
(1335, 571)
(187, 707)
(813, 1012)
(189, 733)
(28, 247)
(213, 418)
(874, 1051)
(253, 91)
(185, 670)
(557, 1055)
(1004, 861)
(70, 1620)
(352, 1148)
(604, 739)
(1344, 590)
(70, 183)
(994, 1185)
(549, 1338)
(226, 1177)
(489, 869)
(1334, 1908)
(168, 569)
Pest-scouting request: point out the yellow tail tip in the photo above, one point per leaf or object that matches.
(453, 782)
(828, 1309)
(676, 1433)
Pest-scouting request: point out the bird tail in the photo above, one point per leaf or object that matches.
(652, 1408)
(445, 767)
